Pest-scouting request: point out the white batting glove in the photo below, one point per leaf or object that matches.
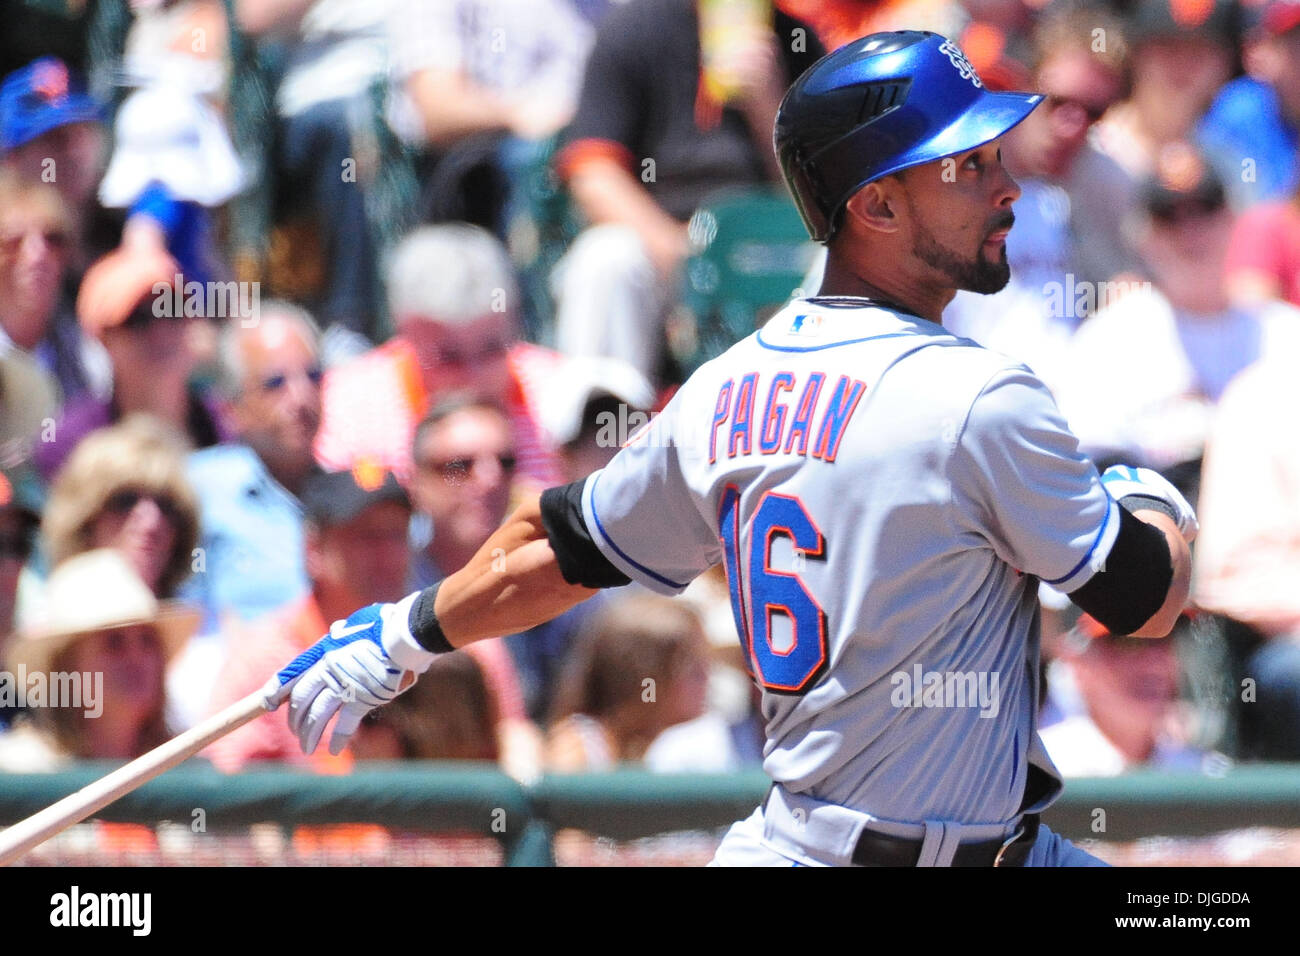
(362, 663)
(1123, 481)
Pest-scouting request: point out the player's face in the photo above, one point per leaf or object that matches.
(960, 215)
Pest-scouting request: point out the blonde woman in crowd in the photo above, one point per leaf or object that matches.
(124, 487)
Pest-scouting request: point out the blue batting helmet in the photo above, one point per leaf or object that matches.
(879, 105)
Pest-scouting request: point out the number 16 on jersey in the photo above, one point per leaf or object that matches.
(795, 668)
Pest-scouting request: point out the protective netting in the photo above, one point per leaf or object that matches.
(269, 844)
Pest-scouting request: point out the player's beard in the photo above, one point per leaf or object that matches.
(980, 274)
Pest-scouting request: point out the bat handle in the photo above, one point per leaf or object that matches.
(36, 829)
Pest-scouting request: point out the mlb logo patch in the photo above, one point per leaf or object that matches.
(809, 324)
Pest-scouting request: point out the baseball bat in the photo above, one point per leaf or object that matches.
(39, 827)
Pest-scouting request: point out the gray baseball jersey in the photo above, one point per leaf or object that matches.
(885, 497)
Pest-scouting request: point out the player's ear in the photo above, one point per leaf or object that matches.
(876, 205)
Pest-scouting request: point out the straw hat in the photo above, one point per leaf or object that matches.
(96, 591)
(28, 396)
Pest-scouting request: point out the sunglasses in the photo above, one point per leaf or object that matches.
(273, 383)
(1174, 213)
(1093, 111)
(455, 470)
(15, 547)
(457, 357)
(124, 502)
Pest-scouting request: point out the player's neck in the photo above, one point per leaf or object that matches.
(840, 280)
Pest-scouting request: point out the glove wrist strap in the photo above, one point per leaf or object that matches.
(1135, 503)
(398, 641)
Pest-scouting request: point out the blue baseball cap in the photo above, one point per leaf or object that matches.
(39, 97)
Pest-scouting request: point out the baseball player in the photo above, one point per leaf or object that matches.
(885, 498)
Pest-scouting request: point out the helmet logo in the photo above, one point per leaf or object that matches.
(959, 61)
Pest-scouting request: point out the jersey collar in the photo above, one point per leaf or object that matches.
(812, 324)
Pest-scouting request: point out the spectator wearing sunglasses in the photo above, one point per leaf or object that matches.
(250, 488)
(125, 487)
(126, 303)
(1147, 371)
(1064, 239)
(453, 295)
(35, 249)
(465, 462)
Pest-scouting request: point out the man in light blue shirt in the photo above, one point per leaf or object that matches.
(250, 555)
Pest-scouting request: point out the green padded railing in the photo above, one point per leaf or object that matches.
(623, 805)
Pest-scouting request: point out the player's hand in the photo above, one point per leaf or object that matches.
(1123, 481)
(362, 663)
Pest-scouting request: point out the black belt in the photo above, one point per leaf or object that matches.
(879, 849)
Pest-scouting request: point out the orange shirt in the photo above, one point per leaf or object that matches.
(256, 651)
(839, 21)
(371, 405)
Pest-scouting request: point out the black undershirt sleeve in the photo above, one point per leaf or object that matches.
(1136, 580)
(424, 623)
(580, 561)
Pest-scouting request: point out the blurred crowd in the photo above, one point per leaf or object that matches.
(297, 296)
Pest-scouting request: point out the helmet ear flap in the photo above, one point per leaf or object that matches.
(809, 203)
